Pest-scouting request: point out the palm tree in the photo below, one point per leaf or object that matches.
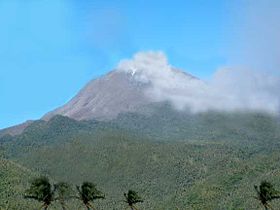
(88, 193)
(266, 193)
(131, 198)
(41, 190)
(63, 191)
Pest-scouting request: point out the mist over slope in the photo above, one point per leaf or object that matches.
(230, 89)
(149, 78)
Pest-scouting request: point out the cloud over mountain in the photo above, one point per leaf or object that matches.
(149, 78)
(230, 89)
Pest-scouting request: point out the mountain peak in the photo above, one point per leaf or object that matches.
(149, 66)
(125, 89)
(145, 62)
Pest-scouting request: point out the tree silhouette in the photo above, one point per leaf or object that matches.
(131, 198)
(63, 192)
(41, 190)
(266, 193)
(88, 193)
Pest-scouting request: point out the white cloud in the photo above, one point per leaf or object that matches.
(229, 89)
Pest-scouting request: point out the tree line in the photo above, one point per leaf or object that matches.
(43, 191)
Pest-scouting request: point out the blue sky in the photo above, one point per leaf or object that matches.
(49, 49)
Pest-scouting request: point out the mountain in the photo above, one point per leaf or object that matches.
(108, 96)
(130, 88)
(105, 98)
(135, 85)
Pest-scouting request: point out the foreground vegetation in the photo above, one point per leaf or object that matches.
(13, 182)
(42, 191)
(210, 161)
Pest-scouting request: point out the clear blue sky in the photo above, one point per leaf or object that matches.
(49, 49)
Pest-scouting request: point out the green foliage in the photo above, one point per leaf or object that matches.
(13, 182)
(41, 190)
(132, 198)
(63, 190)
(266, 193)
(88, 193)
(63, 193)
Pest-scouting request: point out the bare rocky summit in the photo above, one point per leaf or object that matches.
(105, 98)
(132, 85)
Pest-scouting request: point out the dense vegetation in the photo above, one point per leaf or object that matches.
(13, 182)
(174, 160)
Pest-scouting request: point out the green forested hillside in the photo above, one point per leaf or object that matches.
(14, 179)
(175, 161)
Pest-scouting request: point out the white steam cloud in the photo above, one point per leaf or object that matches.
(255, 38)
(229, 89)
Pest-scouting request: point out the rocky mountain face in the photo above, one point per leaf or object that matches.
(125, 89)
(105, 98)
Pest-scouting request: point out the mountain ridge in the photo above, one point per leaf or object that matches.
(106, 97)
(118, 91)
